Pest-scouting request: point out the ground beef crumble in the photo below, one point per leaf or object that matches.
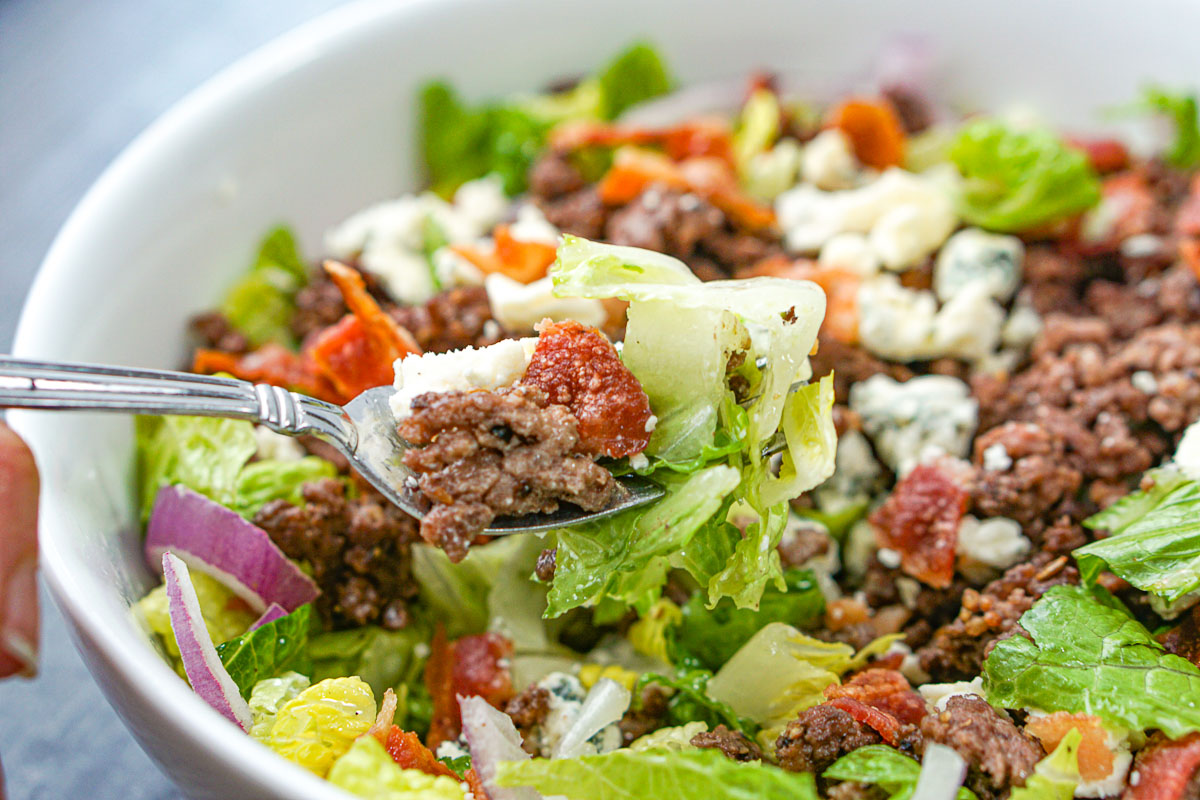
(451, 320)
(485, 454)
(647, 714)
(998, 755)
(734, 744)
(358, 550)
(820, 736)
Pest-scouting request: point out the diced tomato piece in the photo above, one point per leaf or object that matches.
(520, 260)
(884, 689)
(1105, 155)
(1164, 768)
(1095, 759)
(272, 363)
(883, 723)
(406, 750)
(920, 521)
(874, 131)
(470, 666)
(578, 367)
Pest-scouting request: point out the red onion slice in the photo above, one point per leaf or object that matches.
(492, 738)
(273, 612)
(203, 667)
(221, 543)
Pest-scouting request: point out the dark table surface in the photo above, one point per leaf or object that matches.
(78, 80)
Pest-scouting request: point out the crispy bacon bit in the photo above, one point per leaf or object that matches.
(883, 723)
(709, 137)
(475, 785)
(1105, 155)
(578, 367)
(844, 612)
(1164, 768)
(406, 750)
(271, 363)
(920, 521)
(884, 689)
(1095, 759)
(1187, 219)
(1128, 201)
(472, 665)
(520, 260)
(873, 129)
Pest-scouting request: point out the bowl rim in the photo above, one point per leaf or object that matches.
(142, 670)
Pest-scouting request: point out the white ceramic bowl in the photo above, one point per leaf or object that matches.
(320, 123)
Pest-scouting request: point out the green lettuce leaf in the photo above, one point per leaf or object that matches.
(276, 647)
(261, 304)
(1155, 538)
(710, 637)
(1087, 654)
(385, 660)
(885, 767)
(628, 775)
(270, 695)
(366, 770)
(634, 76)
(1180, 108)
(690, 701)
(1020, 179)
(205, 454)
(263, 481)
(1055, 776)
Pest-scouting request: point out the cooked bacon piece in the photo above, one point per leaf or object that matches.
(709, 137)
(1187, 218)
(272, 363)
(406, 750)
(1164, 768)
(884, 689)
(1128, 208)
(1105, 155)
(520, 260)
(475, 784)
(577, 366)
(920, 520)
(883, 723)
(472, 665)
(873, 129)
(1095, 759)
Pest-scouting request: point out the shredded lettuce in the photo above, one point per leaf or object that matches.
(780, 672)
(1154, 540)
(366, 770)
(280, 645)
(263, 481)
(691, 702)
(710, 637)
(683, 340)
(1020, 179)
(885, 767)
(1056, 776)
(1181, 109)
(270, 695)
(261, 304)
(460, 142)
(1087, 654)
(203, 453)
(629, 775)
(678, 737)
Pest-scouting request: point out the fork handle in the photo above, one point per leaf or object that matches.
(64, 386)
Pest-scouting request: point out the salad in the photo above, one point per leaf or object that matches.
(920, 389)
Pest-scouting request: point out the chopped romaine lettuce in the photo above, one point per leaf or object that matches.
(710, 637)
(1087, 654)
(634, 76)
(263, 481)
(261, 304)
(691, 701)
(203, 453)
(1181, 109)
(1057, 775)
(630, 775)
(675, 738)
(270, 695)
(322, 723)
(1020, 179)
(757, 128)
(366, 770)
(1154, 540)
(280, 645)
(780, 672)
(885, 767)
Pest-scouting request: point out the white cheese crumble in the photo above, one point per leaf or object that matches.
(858, 548)
(905, 419)
(910, 667)
(968, 326)
(639, 461)
(391, 238)
(274, 446)
(1023, 326)
(851, 252)
(828, 161)
(888, 557)
(1144, 382)
(996, 458)
(492, 367)
(531, 225)
(856, 476)
(975, 256)
(452, 748)
(895, 322)
(519, 306)
(567, 696)
(913, 214)
(938, 694)
(996, 541)
(1187, 454)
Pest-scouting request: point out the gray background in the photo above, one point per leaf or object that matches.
(78, 80)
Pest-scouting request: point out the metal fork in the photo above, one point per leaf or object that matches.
(363, 430)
